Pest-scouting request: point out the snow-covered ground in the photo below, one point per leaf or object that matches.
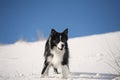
(91, 58)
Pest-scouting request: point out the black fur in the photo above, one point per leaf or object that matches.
(51, 43)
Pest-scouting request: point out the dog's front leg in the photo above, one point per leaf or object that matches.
(65, 71)
(45, 69)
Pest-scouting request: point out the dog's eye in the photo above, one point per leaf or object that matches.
(64, 39)
(55, 40)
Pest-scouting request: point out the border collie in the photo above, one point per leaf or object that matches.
(56, 53)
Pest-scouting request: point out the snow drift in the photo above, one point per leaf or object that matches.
(91, 57)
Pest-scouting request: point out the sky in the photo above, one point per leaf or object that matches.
(26, 18)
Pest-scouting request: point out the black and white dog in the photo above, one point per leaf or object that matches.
(56, 53)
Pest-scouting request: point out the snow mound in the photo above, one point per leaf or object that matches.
(89, 59)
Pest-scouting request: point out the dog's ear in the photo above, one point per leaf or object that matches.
(53, 32)
(66, 31)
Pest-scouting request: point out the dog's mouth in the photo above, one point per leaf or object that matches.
(60, 48)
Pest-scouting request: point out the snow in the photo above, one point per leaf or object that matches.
(89, 59)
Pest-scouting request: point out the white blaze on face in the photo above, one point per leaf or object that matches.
(60, 44)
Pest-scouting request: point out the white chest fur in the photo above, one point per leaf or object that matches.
(57, 57)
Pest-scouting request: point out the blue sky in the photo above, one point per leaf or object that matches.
(24, 18)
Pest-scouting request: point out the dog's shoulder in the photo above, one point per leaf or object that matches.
(47, 49)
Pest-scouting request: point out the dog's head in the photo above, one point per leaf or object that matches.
(59, 39)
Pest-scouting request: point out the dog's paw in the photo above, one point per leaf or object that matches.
(42, 76)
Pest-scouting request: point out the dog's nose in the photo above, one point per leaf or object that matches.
(60, 45)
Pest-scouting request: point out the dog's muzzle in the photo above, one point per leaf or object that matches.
(60, 45)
